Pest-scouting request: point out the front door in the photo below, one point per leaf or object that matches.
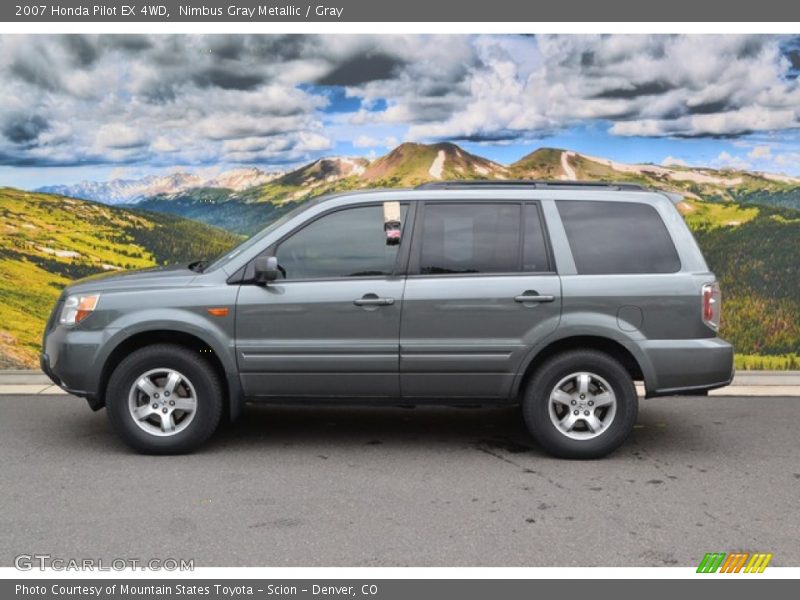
(330, 326)
(481, 290)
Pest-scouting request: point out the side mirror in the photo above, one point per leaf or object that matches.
(266, 269)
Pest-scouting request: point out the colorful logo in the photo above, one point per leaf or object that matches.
(737, 562)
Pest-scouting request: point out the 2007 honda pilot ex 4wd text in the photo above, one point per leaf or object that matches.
(554, 296)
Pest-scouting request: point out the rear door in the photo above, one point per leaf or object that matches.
(481, 289)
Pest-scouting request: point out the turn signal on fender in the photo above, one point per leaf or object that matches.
(218, 312)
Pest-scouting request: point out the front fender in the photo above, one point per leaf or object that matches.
(215, 332)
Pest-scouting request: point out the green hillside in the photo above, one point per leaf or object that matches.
(231, 214)
(412, 164)
(322, 176)
(702, 183)
(47, 241)
(544, 163)
(786, 196)
(752, 250)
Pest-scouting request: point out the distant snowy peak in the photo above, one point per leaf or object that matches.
(241, 179)
(124, 191)
(331, 168)
(131, 191)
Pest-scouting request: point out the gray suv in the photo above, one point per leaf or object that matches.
(557, 296)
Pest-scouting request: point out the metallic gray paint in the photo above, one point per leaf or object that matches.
(465, 336)
(445, 338)
(290, 334)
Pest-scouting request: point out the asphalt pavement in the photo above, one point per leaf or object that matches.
(299, 486)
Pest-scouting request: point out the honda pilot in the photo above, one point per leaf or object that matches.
(557, 296)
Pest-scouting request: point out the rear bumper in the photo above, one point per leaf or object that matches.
(687, 366)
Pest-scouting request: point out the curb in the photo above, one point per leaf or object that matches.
(24, 377)
(742, 378)
(752, 383)
(763, 391)
(30, 389)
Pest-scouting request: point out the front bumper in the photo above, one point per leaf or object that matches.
(688, 367)
(44, 365)
(91, 397)
(70, 359)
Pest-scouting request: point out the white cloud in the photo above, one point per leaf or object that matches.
(725, 160)
(646, 85)
(290, 147)
(788, 160)
(191, 99)
(312, 142)
(672, 161)
(760, 153)
(157, 100)
(366, 141)
(118, 136)
(162, 144)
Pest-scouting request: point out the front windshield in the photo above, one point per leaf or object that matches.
(255, 239)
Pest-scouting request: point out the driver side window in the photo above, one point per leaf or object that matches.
(346, 243)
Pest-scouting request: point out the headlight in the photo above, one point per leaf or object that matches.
(77, 308)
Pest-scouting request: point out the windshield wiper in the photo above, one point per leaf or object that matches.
(198, 266)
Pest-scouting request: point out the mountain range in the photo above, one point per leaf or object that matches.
(131, 191)
(225, 200)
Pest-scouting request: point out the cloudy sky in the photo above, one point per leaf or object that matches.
(97, 107)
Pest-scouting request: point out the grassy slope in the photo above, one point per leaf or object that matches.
(544, 163)
(409, 165)
(281, 192)
(233, 215)
(36, 226)
(748, 248)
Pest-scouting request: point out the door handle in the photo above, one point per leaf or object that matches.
(533, 296)
(373, 300)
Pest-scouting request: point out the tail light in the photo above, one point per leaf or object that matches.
(712, 305)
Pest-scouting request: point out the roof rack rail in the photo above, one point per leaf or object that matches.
(529, 183)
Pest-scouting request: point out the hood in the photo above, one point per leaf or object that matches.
(155, 277)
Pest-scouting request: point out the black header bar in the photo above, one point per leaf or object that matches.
(470, 11)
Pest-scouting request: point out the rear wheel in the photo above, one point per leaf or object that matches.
(164, 399)
(580, 404)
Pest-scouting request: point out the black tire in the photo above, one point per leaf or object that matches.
(207, 387)
(536, 404)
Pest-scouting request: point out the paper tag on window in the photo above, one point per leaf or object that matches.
(391, 212)
(391, 222)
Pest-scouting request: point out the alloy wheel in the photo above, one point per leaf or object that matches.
(162, 402)
(582, 405)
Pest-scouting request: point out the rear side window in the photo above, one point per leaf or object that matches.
(535, 257)
(617, 237)
(470, 238)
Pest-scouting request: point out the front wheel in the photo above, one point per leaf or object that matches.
(580, 404)
(164, 399)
